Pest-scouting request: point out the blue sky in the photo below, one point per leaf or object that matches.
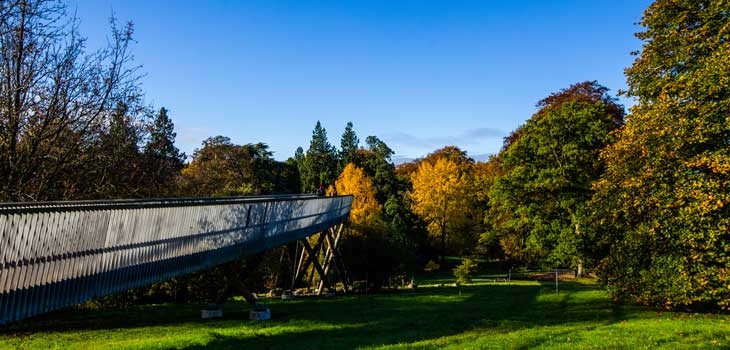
(420, 75)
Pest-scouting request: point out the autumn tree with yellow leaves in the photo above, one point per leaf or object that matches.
(661, 209)
(369, 251)
(365, 209)
(441, 196)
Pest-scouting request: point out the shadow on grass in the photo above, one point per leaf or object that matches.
(74, 319)
(354, 320)
(425, 314)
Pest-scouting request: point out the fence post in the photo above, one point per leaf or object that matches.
(556, 280)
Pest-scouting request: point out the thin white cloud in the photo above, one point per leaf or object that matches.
(470, 136)
(479, 143)
(484, 133)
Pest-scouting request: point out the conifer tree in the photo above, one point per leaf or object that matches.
(348, 146)
(117, 168)
(377, 163)
(319, 165)
(164, 160)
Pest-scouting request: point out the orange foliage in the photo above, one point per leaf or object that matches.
(365, 209)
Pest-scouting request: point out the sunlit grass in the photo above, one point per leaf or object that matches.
(491, 315)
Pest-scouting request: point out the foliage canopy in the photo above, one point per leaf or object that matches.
(662, 206)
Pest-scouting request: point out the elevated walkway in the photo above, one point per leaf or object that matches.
(57, 254)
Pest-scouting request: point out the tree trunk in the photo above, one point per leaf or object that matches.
(443, 246)
(579, 270)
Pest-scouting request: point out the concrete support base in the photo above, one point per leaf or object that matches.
(260, 315)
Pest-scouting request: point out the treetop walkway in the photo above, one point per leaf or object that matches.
(57, 254)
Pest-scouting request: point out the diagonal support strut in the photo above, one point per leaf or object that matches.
(327, 242)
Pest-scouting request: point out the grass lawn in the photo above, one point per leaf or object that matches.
(517, 315)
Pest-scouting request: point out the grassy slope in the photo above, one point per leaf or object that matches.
(516, 315)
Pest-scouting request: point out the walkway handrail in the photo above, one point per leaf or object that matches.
(56, 254)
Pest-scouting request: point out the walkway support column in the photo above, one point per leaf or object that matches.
(326, 241)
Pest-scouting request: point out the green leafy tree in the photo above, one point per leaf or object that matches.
(661, 209)
(375, 159)
(465, 271)
(484, 176)
(222, 168)
(452, 153)
(537, 206)
(406, 231)
(287, 179)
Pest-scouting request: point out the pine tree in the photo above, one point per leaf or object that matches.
(117, 166)
(319, 165)
(376, 162)
(348, 146)
(164, 160)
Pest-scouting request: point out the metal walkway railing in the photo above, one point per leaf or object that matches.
(57, 254)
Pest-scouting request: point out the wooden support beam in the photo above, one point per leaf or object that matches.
(332, 257)
(326, 242)
(312, 257)
(315, 261)
(339, 263)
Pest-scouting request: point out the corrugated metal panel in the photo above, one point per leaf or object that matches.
(56, 254)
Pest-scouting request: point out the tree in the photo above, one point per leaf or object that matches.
(222, 168)
(465, 271)
(440, 197)
(56, 100)
(661, 208)
(365, 209)
(319, 164)
(368, 251)
(348, 146)
(537, 206)
(404, 229)
(485, 175)
(407, 169)
(287, 177)
(452, 153)
(375, 160)
(213, 170)
(164, 160)
(116, 167)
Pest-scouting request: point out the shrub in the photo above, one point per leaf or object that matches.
(431, 266)
(464, 272)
